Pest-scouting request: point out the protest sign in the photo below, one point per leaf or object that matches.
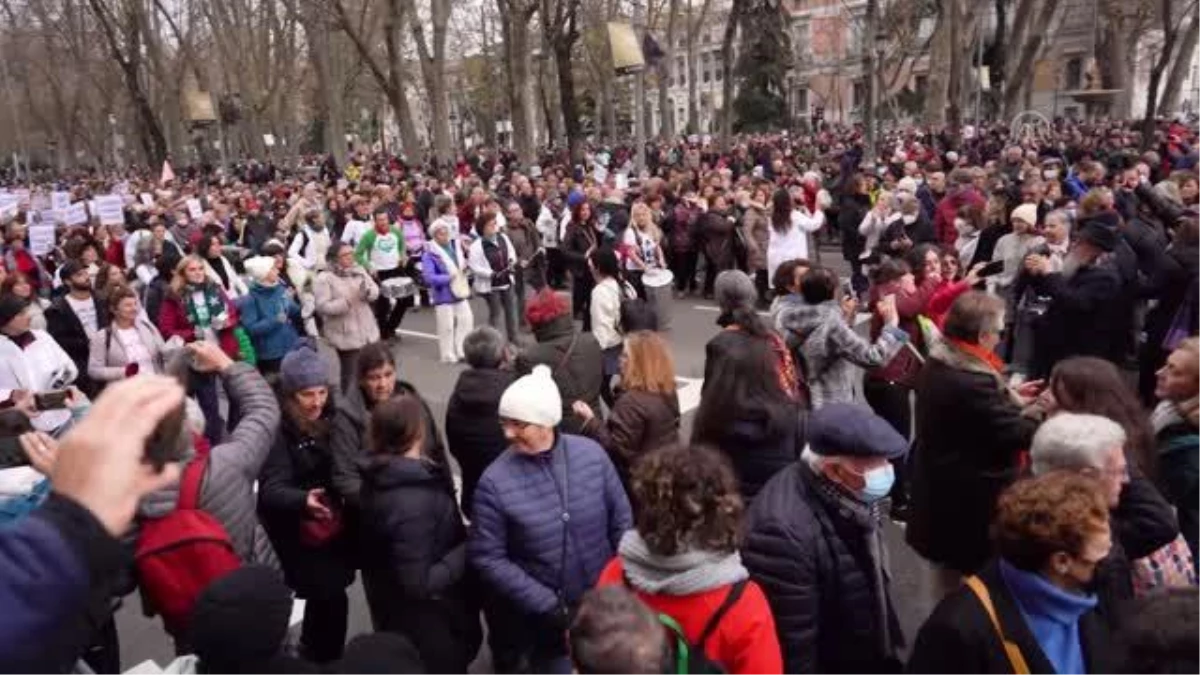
(75, 214)
(41, 238)
(147, 199)
(60, 200)
(600, 174)
(194, 209)
(110, 209)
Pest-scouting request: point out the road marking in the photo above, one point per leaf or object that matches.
(297, 612)
(717, 310)
(416, 334)
(689, 393)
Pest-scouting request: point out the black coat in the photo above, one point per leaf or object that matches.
(414, 560)
(960, 638)
(296, 464)
(760, 448)
(851, 211)
(473, 430)
(817, 572)
(1085, 317)
(67, 330)
(969, 433)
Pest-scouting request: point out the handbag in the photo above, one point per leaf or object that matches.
(1015, 658)
(904, 367)
(315, 533)
(459, 288)
(1169, 567)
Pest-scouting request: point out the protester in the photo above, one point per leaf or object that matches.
(32, 361)
(530, 260)
(816, 527)
(343, 293)
(608, 294)
(682, 558)
(969, 431)
(73, 318)
(1030, 610)
(473, 432)
(539, 541)
(646, 414)
(218, 269)
(574, 358)
(130, 345)
(643, 246)
(1175, 421)
(613, 632)
(298, 506)
(414, 543)
(268, 313)
(18, 284)
(381, 253)
(493, 264)
(444, 266)
(740, 322)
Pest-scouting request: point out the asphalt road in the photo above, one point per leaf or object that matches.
(692, 325)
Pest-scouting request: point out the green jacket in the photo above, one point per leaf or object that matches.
(362, 252)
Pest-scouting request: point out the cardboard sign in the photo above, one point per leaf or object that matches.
(41, 238)
(75, 214)
(110, 209)
(60, 200)
(9, 205)
(146, 198)
(622, 181)
(194, 209)
(22, 197)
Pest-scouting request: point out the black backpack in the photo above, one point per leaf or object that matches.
(690, 656)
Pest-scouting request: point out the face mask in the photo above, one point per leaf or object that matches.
(909, 220)
(878, 483)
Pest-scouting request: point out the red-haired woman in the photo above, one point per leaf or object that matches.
(574, 358)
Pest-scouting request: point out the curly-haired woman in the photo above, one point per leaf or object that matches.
(682, 559)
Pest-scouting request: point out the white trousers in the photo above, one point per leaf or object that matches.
(454, 321)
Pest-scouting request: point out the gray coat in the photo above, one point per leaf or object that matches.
(107, 358)
(344, 302)
(228, 489)
(830, 350)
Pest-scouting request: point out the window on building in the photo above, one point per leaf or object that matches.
(858, 96)
(1071, 112)
(718, 67)
(1073, 73)
(681, 78)
(706, 62)
(921, 84)
(802, 101)
(801, 39)
(854, 37)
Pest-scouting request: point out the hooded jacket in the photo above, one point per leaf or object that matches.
(575, 363)
(473, 430)
(261, 310)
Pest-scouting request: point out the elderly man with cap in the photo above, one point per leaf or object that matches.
(1083, 316)
(72, 319)
(815, 544)
(31, 361)
(548, 515)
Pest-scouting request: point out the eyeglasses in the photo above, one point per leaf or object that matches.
(515, 424)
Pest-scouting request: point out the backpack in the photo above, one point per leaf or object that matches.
(179, 555)
(690, 656)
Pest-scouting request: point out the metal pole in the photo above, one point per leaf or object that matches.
(869, 77)
(639, 95)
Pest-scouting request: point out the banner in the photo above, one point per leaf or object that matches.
(110, 209)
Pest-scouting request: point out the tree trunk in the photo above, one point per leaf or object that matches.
(1170, 31)
(1183, 62)
(328, 102)
(433, 71)
(731, 25)
(514, 24)
(694, 23)
(666, 110)
(1027, 53)
(942, 46)
(566, 95)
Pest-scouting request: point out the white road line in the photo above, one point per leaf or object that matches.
(689, 393)
(416, 334)
(297, 612)
(717, 310)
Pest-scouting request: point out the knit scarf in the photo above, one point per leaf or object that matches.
(214, 305)
(838, 498)
(680, 574)
(980, 353)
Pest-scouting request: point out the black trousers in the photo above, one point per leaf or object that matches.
(323, 631)
(763, 286)
(890, 401)
(556, 269)
(683, 266)
(387, 315)
(581, 298)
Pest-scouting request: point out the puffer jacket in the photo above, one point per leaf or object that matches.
(261, 310)
(523, 523)
(343, 301)
(348, 440)
(831, 350)
(814, 562)
(576, 374)
(759, 448)
(473, 430)
(227, 490)
(639, 422)
(756, 226)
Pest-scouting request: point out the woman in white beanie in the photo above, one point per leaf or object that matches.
(548, 515)
(444, 265)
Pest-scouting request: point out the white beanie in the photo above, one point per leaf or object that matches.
(1025, 212)
(259, 266)
(533, 399)
(907, 184)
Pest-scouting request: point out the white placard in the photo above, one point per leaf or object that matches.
(600, 174)
(622, 181)
(269, 140)
(8, 210)
(75, 214)
(41, 238)
(194, 209)
(146, 198)
(60, 200)
(110, 209)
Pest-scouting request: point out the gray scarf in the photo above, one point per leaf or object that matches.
(680, 574)
(1165, 414)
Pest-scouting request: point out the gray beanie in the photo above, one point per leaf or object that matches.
(303, 368)
(734, 290)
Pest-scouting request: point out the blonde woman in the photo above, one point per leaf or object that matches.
(643, 246)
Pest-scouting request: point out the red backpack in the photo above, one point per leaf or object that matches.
(180, 554)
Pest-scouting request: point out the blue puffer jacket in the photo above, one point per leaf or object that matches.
(516, 540)
(260, 311)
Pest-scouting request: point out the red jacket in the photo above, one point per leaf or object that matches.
(114, 253)
(947, 209)
(743, 642)
(943, 298)
(172, 320)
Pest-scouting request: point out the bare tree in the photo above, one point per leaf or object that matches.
(432, 56)
(731, 27)
(1172, 27)
(695, 23)
(1183, 62)
(666, 111)
(515, 16)
(561, 30)
(1029, 32)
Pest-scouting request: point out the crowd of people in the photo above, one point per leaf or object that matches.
(203, 404)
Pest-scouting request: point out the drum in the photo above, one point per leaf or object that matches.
(658, 295)
(398, 288)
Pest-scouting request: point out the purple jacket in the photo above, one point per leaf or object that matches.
(414, 236)
(438, 274)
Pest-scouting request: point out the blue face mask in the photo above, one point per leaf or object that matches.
(878, 483)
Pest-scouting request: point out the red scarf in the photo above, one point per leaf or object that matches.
(810, 198)
(985, 355)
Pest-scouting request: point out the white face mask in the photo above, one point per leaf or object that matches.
(909, 220)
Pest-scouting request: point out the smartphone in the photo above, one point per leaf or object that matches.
(991, 269)
(51, 400)
(167, 443)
